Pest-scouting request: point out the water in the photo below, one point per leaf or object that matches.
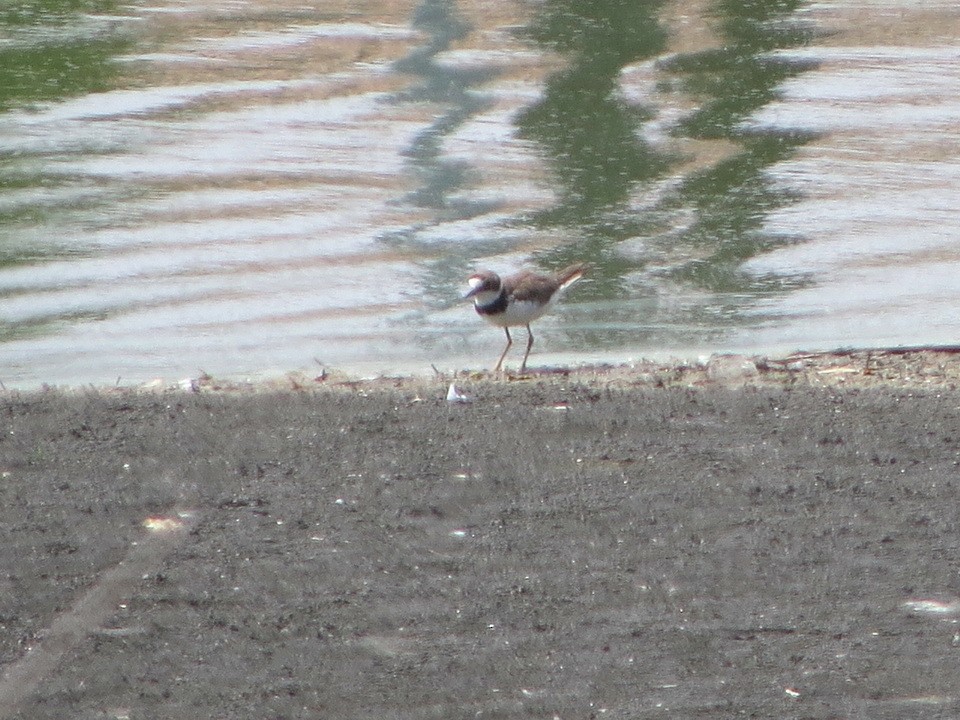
(249, 187)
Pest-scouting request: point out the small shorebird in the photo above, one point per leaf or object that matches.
(518, 299)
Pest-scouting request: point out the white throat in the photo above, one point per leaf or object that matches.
(487, 297)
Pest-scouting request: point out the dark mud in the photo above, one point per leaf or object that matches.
(576, 545)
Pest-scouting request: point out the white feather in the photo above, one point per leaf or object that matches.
(518, 312)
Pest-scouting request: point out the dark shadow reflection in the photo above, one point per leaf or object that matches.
(449, 87)
(441, 181)
(732, 198)
(587, 130)
(699, 235)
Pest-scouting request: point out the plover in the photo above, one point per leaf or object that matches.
(518, 299)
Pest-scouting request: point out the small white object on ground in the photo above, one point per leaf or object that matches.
(455, 396)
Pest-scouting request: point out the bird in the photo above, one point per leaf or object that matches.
(518, 299)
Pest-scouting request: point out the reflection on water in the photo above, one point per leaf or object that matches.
(48, 51)
(594, 139)
(732, 198)
(588, 131)
(244, 187)
(439, 178)
(51, 50)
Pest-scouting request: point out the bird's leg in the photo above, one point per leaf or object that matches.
(509, 343)
(523, 365)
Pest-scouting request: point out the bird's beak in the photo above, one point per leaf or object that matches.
(469, 294)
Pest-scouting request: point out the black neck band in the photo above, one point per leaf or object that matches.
(495, 307)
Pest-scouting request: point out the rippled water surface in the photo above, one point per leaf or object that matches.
(246, 188)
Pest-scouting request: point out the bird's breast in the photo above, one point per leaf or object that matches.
(506, 313)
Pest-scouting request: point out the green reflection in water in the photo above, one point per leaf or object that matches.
(738, 78)
(593, 140)
(732, 198)
(590, 132)
(54, 49)
(586, 127)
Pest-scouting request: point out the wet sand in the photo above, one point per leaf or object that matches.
(750, 537)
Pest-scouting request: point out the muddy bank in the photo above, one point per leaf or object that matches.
(653, 541)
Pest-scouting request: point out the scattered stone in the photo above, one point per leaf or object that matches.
(454, 396)
(731, 368)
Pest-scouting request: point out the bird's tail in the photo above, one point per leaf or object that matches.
(568, 276)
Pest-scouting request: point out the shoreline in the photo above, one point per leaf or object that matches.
(931, 367)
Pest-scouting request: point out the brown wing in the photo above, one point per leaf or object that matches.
(527, 285)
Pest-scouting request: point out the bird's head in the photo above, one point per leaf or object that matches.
(481, 283)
